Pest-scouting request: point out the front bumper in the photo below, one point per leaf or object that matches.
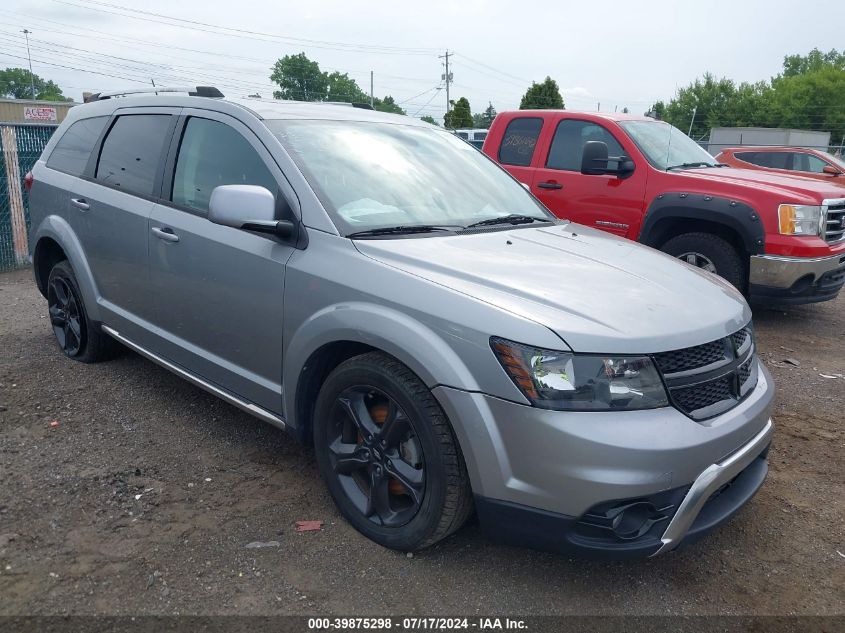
(776, 279)
(565, 476)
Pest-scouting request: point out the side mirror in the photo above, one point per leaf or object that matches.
(247, 207)
(594, 161)
(830, 170)
(594, 158)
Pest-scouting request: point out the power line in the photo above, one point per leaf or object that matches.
(165, 71)
(426, 105)
(194, 25)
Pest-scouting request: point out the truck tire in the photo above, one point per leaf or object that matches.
(388, 454)
(78, 337)
(710, 252)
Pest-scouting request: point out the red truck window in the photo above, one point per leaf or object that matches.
(569, 140)
(520, 139)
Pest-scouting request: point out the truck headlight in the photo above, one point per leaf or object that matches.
(581, 382)
(799, 219)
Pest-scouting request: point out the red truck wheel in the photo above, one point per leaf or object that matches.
(710, 252)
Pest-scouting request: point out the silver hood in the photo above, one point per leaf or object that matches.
(598, 292)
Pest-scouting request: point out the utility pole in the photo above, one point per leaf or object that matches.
(371, 88)
(694, 110)
(447, 77)
(26, 33)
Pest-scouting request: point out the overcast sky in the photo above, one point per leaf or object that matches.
(616, 53)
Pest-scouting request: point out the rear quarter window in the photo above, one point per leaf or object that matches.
(74, 148)
(519, 141)
(133, 151)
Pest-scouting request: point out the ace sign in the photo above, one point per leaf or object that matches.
(40, 113)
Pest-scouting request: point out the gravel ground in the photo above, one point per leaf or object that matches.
(125, 490)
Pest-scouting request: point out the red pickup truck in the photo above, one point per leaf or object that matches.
(779, 239)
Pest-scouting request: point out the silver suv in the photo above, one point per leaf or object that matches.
(382, 290)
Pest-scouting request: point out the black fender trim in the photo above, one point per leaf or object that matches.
(735, 215)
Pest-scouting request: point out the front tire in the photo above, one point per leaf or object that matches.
(388, 454)
(711, 253)
(78, 337)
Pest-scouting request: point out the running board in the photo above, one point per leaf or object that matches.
(253, 409)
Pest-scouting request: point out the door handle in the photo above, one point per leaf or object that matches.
(80, 203)
(165, 234)
(550, 185)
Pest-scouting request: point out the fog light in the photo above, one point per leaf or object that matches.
(634, 520)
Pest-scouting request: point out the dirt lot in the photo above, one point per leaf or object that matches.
(144, 497)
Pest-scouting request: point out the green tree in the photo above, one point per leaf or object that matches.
(16, 83)
(813, 61)
(716, 102)
(388, 104)
(657, 110)
(545, 95)
(299, 79)
(429, 119)
(341, 87)
(810, 101)
(460, 116)
(485, 119)
(808, 94)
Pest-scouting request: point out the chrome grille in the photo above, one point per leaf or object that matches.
(707, 380)
(834, 227)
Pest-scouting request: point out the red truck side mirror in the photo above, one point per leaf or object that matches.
(594, 161)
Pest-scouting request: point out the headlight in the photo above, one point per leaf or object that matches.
(798, 219)
(566, 381)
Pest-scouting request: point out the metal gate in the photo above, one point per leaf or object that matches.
(21, 145)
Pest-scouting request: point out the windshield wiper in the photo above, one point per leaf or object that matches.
(690, 165)
(405, 229)
(513, 218)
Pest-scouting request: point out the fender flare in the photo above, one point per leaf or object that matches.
(58, 229)
(386, 329)
(733, 214)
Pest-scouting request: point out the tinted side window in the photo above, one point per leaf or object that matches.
(73, 150)
(213, 154)
(519, 141)
(775, 160)
(570, 138)
(132, 152)
(808, 162)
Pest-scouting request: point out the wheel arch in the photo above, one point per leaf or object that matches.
(340, 332)
(672, 214)
(54, 239)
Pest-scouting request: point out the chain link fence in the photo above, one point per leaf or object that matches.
(21, 147)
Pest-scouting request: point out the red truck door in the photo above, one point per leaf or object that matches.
(516, 149)
(607, 201)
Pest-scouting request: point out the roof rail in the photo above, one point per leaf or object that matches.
(194, 91)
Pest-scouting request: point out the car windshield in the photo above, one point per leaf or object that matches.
(665, 146)
(372, 176)
(836, 161)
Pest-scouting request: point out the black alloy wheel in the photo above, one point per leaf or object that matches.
(65, 315)
(78, 337)
(389, 455)
(376, 456)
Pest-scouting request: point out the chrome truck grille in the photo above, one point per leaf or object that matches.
(834, 221)
(706, 380)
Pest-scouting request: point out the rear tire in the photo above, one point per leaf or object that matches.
(78, 337)
(388, 454)
(711, 253)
